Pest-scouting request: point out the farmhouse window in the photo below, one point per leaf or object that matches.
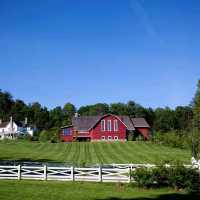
(116, 128)
(109, 127)
(103, 125)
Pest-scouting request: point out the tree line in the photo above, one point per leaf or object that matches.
(160, 119)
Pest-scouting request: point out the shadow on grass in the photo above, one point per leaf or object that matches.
(26, 160)
(174, 196)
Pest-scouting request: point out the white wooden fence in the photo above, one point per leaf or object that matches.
(65, 174)
(111, 173)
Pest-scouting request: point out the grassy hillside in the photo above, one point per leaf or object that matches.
(92, 153)
(38, 190)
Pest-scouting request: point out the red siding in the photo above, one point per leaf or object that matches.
(145, 132)
(67, 138)
(96, 133)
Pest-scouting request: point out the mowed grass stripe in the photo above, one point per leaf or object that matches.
(38, 147)
(153, 154)
(92, 153)
(127, 156)
(100, 153)
(167, 153)
(88, 154)
(76, 153)
(71, 153)
(67, 151)
(132, 153)
(117, 154)
(139, 155)
(82, 157)
(46, 152)
(109, 154)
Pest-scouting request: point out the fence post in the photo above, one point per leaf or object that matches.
(72, 173)
(19, 172)
(45, 172)
(129, 174)
(100, 173)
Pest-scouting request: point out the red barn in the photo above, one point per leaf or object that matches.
(108, 127)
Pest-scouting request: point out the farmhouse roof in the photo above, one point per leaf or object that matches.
(4, 124)
(85, 123)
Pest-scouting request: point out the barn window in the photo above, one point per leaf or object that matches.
(109, 137)
(103, 137)
(116, 138)
(103, 125)
(109, 127)
(116, 128)
(66, 131)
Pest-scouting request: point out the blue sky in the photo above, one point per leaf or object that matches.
(84, 52)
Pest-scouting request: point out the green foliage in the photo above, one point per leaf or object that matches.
(184, 140)
(54, 135)
(69, 111)
(196, 107)
(44, 136)
(25, 137)
(6, 103)
(130, 137)
(96, 109)
(164, 119)
(177, 176)
(173, 139)
(143, 177)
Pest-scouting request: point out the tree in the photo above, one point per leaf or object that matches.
(69, 111)
(118, 109)
(19, 110)
(40, 116)
(196, 107)
(96, 109)
(44, 136)
(183, 115)
(56, 116)
(6, 103)
(164, 119)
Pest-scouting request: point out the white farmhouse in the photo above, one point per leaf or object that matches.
(12, 129)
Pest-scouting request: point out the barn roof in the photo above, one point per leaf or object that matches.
(140, 122)
(85, 123)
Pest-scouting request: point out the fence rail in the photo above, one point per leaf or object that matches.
(65, 174)
(111, 173)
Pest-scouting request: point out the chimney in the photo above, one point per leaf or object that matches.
(11, 121)
(76, 115)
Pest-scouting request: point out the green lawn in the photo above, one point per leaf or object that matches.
(39, 190)
(92, 153)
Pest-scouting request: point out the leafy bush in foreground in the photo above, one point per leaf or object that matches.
(178, 177)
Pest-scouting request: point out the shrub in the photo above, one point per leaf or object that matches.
(143, 177)
(178, 177)
(26, 137)
(43, 136)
